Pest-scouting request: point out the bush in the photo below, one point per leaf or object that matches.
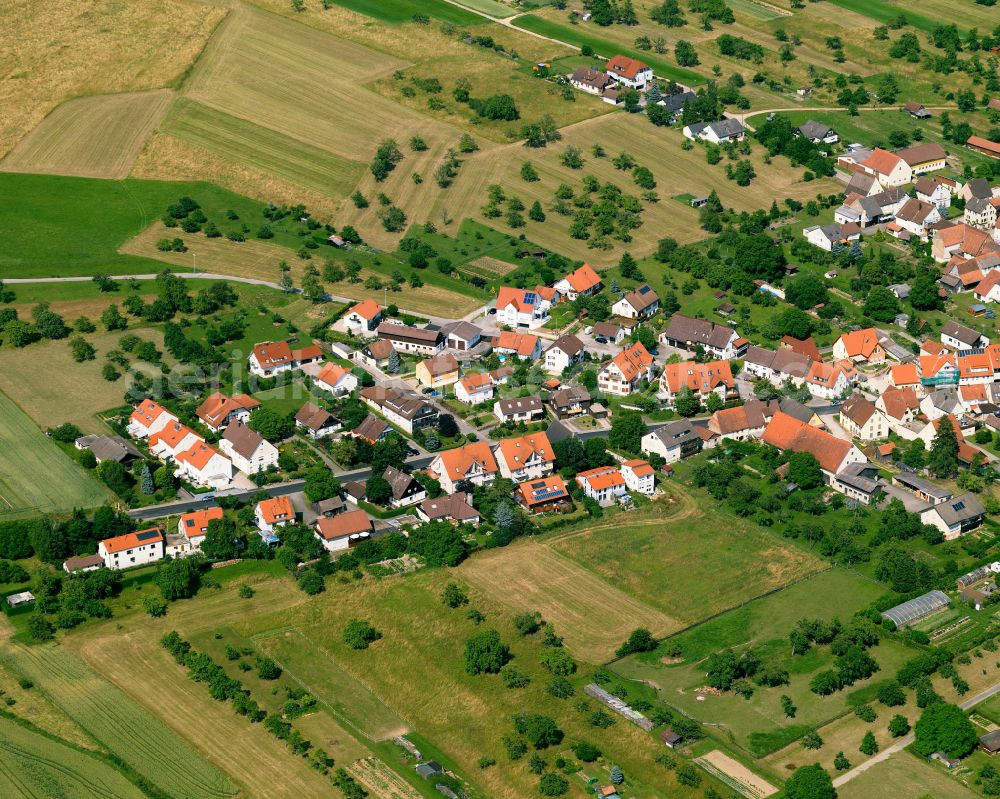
(360, 634)
(899, 726)
(640, 640)
(558, 661)
(155, 606)
(453, 596)
(560, 687)
(513, 677)
(552, 784)
(586, 751)
(267, 669)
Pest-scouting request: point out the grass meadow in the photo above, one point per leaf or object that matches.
(906, 776)
(36, 765)
(97, 137)
(35, 475)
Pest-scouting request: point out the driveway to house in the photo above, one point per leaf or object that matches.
(906, 740)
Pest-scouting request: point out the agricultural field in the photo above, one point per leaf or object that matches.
(36, 765)
(399, 11)
(143, 742)
(94, 47)
(758, 725)
(910, 777)
(35, 475)
(686, 560)
(97, 137)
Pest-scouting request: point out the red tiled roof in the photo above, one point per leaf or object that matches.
(457, 462)
(904, 374)
(522, 343)
(625, 66)
(516, 451)
(585, 278)
(132, 540)
(195, 523)
(366, 309)
(861, 343)
(698, 377)
(632, 361)
(601, 478)
(276, 509)
(787, 432)
(881, 161)
(545, 489)
(344, 524)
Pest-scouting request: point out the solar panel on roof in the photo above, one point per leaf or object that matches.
(958, 506)
(530, 297)
(539, 484)
(146, 535)
(644, 290)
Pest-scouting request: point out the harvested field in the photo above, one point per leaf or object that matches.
(381, 780)
(57, 51)
(239, 140)
(488, 266)
(125, 728)
(95, 137)
(589, 612)
(736, 775)
(34, 765)
(35, 475)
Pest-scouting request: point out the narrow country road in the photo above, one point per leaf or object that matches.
(906, 740)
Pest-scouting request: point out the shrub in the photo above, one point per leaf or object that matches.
(360, 634)
(586, 751)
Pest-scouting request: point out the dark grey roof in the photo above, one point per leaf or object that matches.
(372, 428)
(860, 477)
(725, 128)
(454, 506)
(465, 331)
(404, 403)
(977, 205)
(567, 397)
(416, 335)
(399, 481)
(519, 405)
(676, 433)
(871, 206)
(860, 183)
(114, 448)
(814, 130)
(964, 508)
(980, 187)
(244, 440)
(964, 334)
(689, 330)
(915, 483)
(642, 298)
(675, 102)
(797, 410)
(330, 505)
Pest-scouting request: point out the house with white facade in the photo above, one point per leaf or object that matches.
(336, 379)
(363, 318)
(343, 531)
(672, 441)
(274, 513)
(626, 372)
(916, 216)
(148, 417)
(604, 485)
(861, 418)
(521, 308)
(525, 458)
(718, 341)
(583, 281)
(474, 388)
(725, 130)
(473, 463)
(249, 451)
(270, 358)
(218, 410)
(193, 526)
(629, 72)
(133, 549)
(203, 465)
(639, 476)
(638, 304)
(563, 353)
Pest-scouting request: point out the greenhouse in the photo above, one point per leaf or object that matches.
(916, 609)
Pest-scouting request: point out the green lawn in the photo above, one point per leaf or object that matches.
(578, 36)
(397, 11)
(759, 724)
(35, 475)
(883, 11)
(905, 776)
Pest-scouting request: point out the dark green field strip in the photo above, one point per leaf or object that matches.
(882, 11)
(398, 11)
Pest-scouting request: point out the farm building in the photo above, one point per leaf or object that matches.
(916, 609)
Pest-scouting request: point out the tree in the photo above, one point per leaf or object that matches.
(552, 784)
(377, 490)
(943, 460)
(499, 107)
(627, 430)
(924, 294)
(686, 403)
(616, 775)
(868, 744)
(891, 694)
(810, 782)
(899, 726)
(321, 483)
(881, 304)
(146, 484)
(447, 426)
(557, 661)
(542, 732)
(267, 669)
(179, 579)
(804, 470)
(112, 319)
(840, 762)
(270, 424)
(513, 677)
(360, 634)
(40, 628)
(586, 752)
(806, 291)
(485, 653)
(311, 582)
(453, 596)
(944, 728)
(528, 172)
(640, 640)
(222, 540)
(685, 54)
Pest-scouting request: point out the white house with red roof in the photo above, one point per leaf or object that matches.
(273, 513)
(889, 168)
(524, 346)
(625, 373)
(193, 526)
(270, 358)
(639, 476)
(340, 532)
(203, 465)
(583, 281)
(473, 462)
(363, 318)
(629, 72)
(336, 379)
(218, 410)
(132, 549)
(148, 417)
(525, 458)
(474, 388)
(603, 485)
(521, 308)
(172, 439)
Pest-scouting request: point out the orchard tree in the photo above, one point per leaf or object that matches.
(810, 782)
(485, 653)
(944, 728)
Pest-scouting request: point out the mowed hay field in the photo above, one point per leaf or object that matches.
(35, 475)
(56, 51)
(910, 777)
(121, 725)
(34, 765)
(687, 561)
(96, 137)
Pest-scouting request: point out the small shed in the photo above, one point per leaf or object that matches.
(670, 738)
(990, 742)
(20, 598)
(429, 769)
(698, 202)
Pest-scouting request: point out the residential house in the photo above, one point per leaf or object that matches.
(317, 422)
(461, 335)
(861, 418)
(474, 388)
(438, 372)
(336, 379)
(249, 451)
(889, 168)
(569, 401)
(519, 409)
(833, 454)
(830, 238)
(270, 358)
(337, 533)
(626, 372)
(406, 490)
(638, 304)
(523, 346)
(976, 188)
(744, 421)
(629, 72)
(725, 130)
(172, 439)
(859, 346)
(778, 366)
(672, 441)
(218, 410)
(900, 407)
(521, 308)
(806, 347)
(133, 549)
(960, 337)
(405, 338)
(473, 463)
(964, 241)
(563, 353)
(404, 409)
(193, 526)
(604, 485)
(375, 353)
(203, 465)
(826, 380)
(862, 184)
(108, 448)
(583, 281)
(149, 417)
(675, 101)
(607, 332)
(924, 157)
(372, 429)
(363, 318)
(955, 517)
(916, 216)
(83, 563)
(455, 508)
(980, 214)
(988, 289)
(860, 482)
(701, 379)
(817, 132)
(933, 192)
(592, 81)
(525, 458)
(274, 513)
(718, 341)
(639, 476)
(543, 495)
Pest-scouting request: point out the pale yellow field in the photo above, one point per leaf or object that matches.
(588, 612)
(94, 137)
(55, 51)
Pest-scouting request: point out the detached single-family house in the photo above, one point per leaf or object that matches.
(960, 337)
(172, 439)
(900, 407)
(133, 549)
(604, 484)
(833, 454)
(336, 379)
(543, 495)
(563, 353)
(639, 476)
(249, 451)
(581, 282)
(826, 380)
(473, 463)
(375, 353)
(859, 346)
(274, 513)
(317, 422)
(956, 516)
(344, 530)
(626, 372)
(569, 401)
(933, 192)
(688, 333)
(270, 358)
(203, 465)
(916, 216)
(372, 429)
(218, 410)
(817, 132)
(905, 375)
(607, 332)
(827, 237)
(474, 388)
(404, 409)
(405, 489)
(779, 366)
(638, 304)
(438, 372)
(862, 419)
(629, 72)
(193, 526)
(725, 130)
(592, 81)
(672, 441)
(108, 448)
(889, 168)
(744, 421)
(524, 346)
(455, 508)
(519, 409)
(149, 417)
(701, 379)
(525, 458)
(363, 318)
(521, 308)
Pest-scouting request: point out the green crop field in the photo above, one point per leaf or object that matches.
(144, 743)
(491, 7)
(759, 724)
(33, 765)
(397, 11)
(265, 149)
(97, 136)
(758, 10)
(580, 38)
(883, 11)
(35, 475)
